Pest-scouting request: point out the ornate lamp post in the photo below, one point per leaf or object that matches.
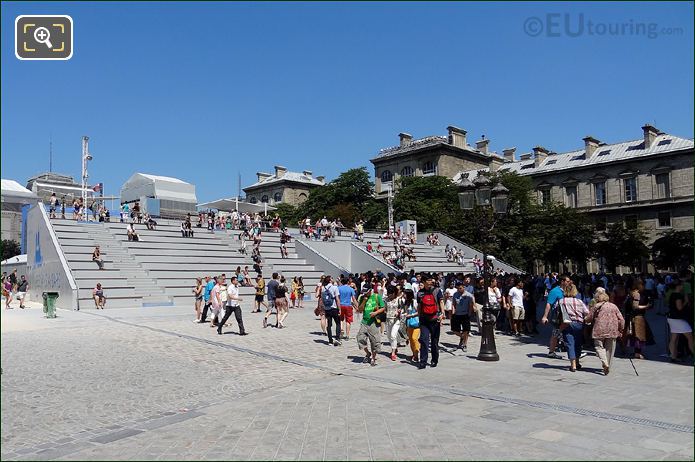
(479, 193)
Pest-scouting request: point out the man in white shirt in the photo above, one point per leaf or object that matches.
(232, 305)
(516, 297)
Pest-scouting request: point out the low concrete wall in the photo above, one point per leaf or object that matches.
(362, 261)
(317, 257)
(47, 268)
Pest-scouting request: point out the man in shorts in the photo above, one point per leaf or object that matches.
(272, 286)
(260, 293)
(347, 301)
(516, 297)
(462, 303)
(22, 288)
(371, 305)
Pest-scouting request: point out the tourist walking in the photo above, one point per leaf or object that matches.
(198, 297)
(281, 303)
(232, 306)
(207, 302)
(677, 321)
(516, 299)
(637, 304)
(271, 287)
(260, 294)
(394, 306)
(319, 310)
(330, 296)
(294, 294)
(369, 338)
(430, 312)
(216, 302)
(412, 322)
(463, 304)
(300, 292)
(22, 289)
(608, 324)
(555, 295)
(348, 300)
(575, 311)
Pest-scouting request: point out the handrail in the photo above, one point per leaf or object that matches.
(377, 257)
(51, 232)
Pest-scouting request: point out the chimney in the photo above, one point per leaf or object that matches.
(590, 146)
(321, 178)
(279, 171)
(406, 138)
(509, 154)
(539, 155)
(650, 134)
(308, 173)
(482, 145)
(260, 176)
(495, 163)
(526, 156)
(457, 137)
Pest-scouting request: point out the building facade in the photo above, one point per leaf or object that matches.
(282, 187)
(432, 155)
(647, 181)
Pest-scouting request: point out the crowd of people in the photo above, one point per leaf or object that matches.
(590, 312)
(14, 287)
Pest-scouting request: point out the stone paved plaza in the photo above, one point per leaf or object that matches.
(147, 383)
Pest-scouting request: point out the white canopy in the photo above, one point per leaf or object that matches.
(230, 204)
(16, 193)
(160, 187)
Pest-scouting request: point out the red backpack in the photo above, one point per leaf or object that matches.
(429, 304)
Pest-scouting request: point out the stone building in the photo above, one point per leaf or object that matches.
(646, 181)
(432, 155)
(282, 187)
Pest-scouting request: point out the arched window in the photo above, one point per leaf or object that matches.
(386, 176)
(407, 171)
(264, 198)
(429, 168)
(253, 200)
(277, 197)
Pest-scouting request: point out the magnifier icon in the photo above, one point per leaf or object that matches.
(42, 35)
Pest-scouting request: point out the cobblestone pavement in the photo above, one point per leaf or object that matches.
(150, 384)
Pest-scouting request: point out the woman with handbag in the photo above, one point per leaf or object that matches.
(300, 292)
(573, 312)
(319, 311)
(677, 321)
(412, 322)
(638, 302)
(608, 324)
(393, 318)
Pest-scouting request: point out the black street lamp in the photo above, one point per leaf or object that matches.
(479, 193)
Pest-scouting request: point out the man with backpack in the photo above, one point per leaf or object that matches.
(272, 287)
(431, 313)
(330, 296)
(371, 306)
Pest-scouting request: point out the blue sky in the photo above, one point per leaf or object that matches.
(202, 91)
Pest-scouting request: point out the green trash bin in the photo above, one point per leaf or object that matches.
(49, 303)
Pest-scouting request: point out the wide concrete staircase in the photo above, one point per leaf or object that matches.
(429, 258)
(162, 267)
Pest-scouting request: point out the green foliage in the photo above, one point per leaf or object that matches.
(623, 246)
(288, 213)
(348, 197)
(674, 249)
(9, 248)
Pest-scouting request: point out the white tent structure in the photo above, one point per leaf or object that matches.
(14, 197)
(15, 193)
(160, 195)
(234, 203)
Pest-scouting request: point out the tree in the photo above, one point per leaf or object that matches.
(9, 248)
(674, 249)
(624, 246)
